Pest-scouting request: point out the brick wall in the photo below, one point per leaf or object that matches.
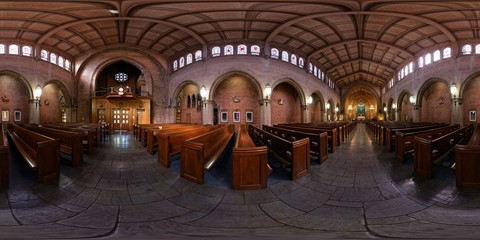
(290, 110)
(14, 98)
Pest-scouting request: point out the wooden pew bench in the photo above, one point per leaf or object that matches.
(467, 162)
(390, 134)
(331, 134)
(170, 143)
(152, 140)
(432, 151)
(405, 142)
(4, 157)
(318, 142)
(293, 153)
(200, 153)
(41, 153)
(88, 135)
(250, 163)
(70, 142)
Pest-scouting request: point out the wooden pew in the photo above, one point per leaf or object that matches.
(170, 143)
(331, 132)
(200, 153)
(250, 163)
(3, 160)
(41, 153)
(152, 140)
(390, 134)
(429, 151)
(467, 162)
(318, 142)
(70, 142)
(88, 135)
(295, 153)
(405, 142)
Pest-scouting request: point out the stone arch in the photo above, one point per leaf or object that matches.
(225, 76)
(29, 89)
(425, 86)
(63, 89)
(179, 89)
(401, 96)
(295, 85)
(467, 81)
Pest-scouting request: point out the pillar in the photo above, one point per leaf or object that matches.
(207, 112)
(265, 112)
(34, 114)
(457, 112)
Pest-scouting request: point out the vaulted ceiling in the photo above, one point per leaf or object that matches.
(353, 40)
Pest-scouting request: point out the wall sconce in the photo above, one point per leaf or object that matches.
(121, 91)
(453, 91)
(268, 91)
(412, 100)
(327, 106)
(36, 94)
(336, 109)
(385, 109)
(371, 107)
(350, 107)
(203, 94)
(394, 105)
(309, 100)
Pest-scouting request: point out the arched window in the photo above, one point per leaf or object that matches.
(315, 71)
(194, 101)
(436, 55)
(53, 58)
(27, 51)
(447, 52)
(398, 75)
(301, 62)
(293, 59)
(228, 50)
(189, 58)
(402, 74)
(420, 62)
(310, 67)
(198, 55)
(467, 49)
(189, 101)
(428, 58)
(285, 56)
(60, 61)
(216, 51)
(274, 53)
(406, 70)
(477, 49)
(13, 49)
(242, 49)
(67, 65)
(182, 62)
(255, 50)
(2, 48)
(410, 65)
(175, 65)
(44, 55)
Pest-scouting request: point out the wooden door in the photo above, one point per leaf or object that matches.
(121, 119)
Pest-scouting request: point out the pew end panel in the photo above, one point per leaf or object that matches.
(190, 169)
(250, 168)
(300, 158)
(467, 166)
(423, 148)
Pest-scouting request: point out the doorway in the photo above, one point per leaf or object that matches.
(121, 119)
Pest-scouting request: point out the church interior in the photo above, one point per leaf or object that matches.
(226, 119)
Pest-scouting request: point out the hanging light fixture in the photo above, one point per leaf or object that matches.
(203, 94)
(37, 94)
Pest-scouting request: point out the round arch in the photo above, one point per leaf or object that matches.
(467, 81)
(221, 78)
(402, 95)
(295, 85)
(180, 88)
(28, 87)
(426, 85)
(62, 88)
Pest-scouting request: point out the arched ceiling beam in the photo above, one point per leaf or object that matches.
(334, 67)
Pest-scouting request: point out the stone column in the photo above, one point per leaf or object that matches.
(457, 112)
(305, 114)
(265, 112)
(207, 112)
(34, 114)
(416, 113)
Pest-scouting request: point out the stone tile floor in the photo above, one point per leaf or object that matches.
(121, 192)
